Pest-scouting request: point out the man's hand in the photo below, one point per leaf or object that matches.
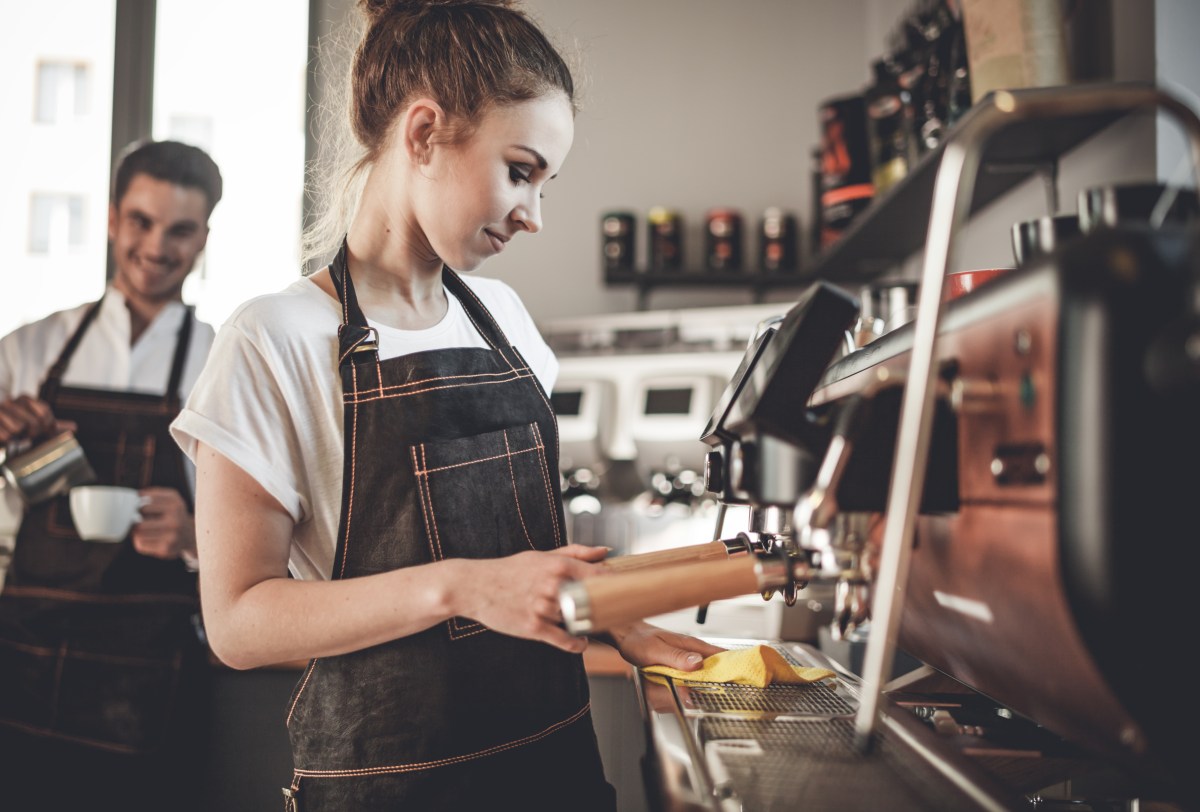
(642, 644)
(167, 529)
(25, 417)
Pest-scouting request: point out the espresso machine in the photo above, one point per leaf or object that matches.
(633, 393)
(999, 489)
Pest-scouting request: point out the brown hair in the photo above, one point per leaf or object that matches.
(172, 161)
(468, 55)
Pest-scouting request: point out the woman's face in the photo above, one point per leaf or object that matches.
(473, 197)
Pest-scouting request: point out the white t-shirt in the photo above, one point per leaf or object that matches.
(104, 359)
(270, 397)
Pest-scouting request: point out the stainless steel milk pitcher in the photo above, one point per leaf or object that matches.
(46, 470)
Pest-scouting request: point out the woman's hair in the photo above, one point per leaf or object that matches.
(467, 55)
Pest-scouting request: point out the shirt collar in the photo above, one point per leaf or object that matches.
(114, 308)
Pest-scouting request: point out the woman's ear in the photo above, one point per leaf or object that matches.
(422, 119)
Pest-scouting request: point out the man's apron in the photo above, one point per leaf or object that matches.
(449, 453)
(96, 639)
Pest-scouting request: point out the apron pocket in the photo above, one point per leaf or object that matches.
(487, 496)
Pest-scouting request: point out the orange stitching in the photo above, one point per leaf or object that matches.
(430, 530)
(504, 372)
(438, 388)
(312, 666)
(541, 458)
(458, 631)
(149, 446)
(507, 373)
(542, 394)
(442, 762)
(427, 496)
(466, 310)
(517, 495)
(481, 459)
(353, 470)
(464, 380)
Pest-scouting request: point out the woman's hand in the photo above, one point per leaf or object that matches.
(518, 594)
(642, 644)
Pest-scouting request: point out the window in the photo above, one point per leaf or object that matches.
(62, 92)
(56, 223)
(56, 134)
(245, 107)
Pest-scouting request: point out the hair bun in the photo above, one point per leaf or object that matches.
(378, 9)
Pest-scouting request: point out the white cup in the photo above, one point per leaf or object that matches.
(105, 512)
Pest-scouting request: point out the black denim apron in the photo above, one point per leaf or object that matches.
(98, 645)
(449, 453)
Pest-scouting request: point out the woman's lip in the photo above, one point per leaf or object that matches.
(498, 242)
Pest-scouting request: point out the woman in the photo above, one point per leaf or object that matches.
(426, 598)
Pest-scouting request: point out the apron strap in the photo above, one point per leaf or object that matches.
(183, 340)
(53, 380)
(480, 316)
(357, 341)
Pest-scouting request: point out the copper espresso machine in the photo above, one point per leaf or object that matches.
(1002, 489)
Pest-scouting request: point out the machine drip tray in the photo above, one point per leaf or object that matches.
(939, 746)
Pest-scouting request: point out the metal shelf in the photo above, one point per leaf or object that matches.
(759, 282)
(895, 224)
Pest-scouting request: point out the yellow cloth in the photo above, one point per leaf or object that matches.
(758, 666)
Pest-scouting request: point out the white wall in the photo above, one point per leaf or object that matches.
(700, 103)
(689, 104)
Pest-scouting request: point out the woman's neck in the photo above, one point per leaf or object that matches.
(395, 285)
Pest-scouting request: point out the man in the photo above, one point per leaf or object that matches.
(101, 667)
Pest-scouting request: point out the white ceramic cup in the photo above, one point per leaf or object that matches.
(105, 512)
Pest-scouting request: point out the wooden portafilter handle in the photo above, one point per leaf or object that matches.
(600, 603)
(692, 553)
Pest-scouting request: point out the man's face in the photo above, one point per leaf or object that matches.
(157, 230)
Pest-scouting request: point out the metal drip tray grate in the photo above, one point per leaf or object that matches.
(776, 764)
(825, 737)
(815, 699)
(726, 747)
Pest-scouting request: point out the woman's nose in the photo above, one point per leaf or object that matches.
(529, 214)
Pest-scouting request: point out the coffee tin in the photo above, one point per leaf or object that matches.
(666, 239)
(846, 185)
(617, 235)
(723, 240)
(777, 236)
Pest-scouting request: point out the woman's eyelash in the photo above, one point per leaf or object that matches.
(517, 175)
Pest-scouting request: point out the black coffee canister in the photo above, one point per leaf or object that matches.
(617, 235)
(723, 240)
(777, 238)
(846, 185)
(666, 239)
